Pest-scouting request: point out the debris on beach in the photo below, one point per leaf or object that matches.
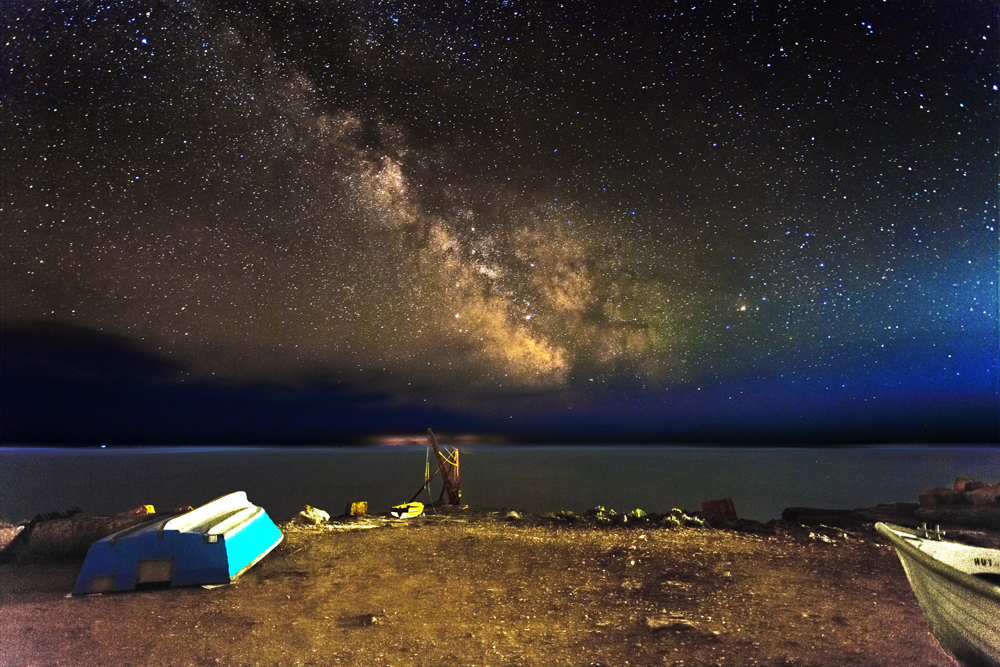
(678, 623)
(356, 509)
(311, 516)
(603, 516)
(407, 510)
(63, 535)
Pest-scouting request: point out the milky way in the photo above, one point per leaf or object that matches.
(575, 203)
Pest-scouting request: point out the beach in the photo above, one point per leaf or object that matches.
(498, 589)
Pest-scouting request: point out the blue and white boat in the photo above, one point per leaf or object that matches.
(213, 544)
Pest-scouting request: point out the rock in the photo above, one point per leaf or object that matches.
(964, 485)
(8, 531)
(976, 538)
(929, 498)
(600, 510)
(312, 516)
(751, 526)
(722, 509)
(982, 496)
(368, 619)
(969, 516)
(670, 624)
(889, 512)
(809, 516)
(677, 624)
(565, 515)
(940, 496)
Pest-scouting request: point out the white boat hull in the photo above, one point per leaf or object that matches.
(961, 609)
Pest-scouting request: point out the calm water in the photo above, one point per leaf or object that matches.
(762, 482)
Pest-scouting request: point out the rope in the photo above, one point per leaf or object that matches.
(427, 478)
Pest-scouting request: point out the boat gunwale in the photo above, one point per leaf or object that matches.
(963, 579)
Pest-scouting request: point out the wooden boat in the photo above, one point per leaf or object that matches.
(958, 589)
(212, 544)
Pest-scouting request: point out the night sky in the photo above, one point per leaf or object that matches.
(567, 221)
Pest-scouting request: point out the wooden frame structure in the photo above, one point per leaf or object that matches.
(447, 465)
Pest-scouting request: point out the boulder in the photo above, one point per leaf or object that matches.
(964, 484)
(969, 516)
(751, 526)
(8, 531)
(982, 496)
(940, 496)
(312, 516)
(722, 509)
(900, 513)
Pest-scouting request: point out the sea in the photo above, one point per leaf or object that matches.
(762, 481)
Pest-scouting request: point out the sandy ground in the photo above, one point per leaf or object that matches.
(454, 591)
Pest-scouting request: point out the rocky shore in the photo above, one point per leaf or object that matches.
(968, 511)
(498, 587)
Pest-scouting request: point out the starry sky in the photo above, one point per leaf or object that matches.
(316, 220)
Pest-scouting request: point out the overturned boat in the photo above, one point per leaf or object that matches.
(958, 588)
(407, 510)
(213, 544)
